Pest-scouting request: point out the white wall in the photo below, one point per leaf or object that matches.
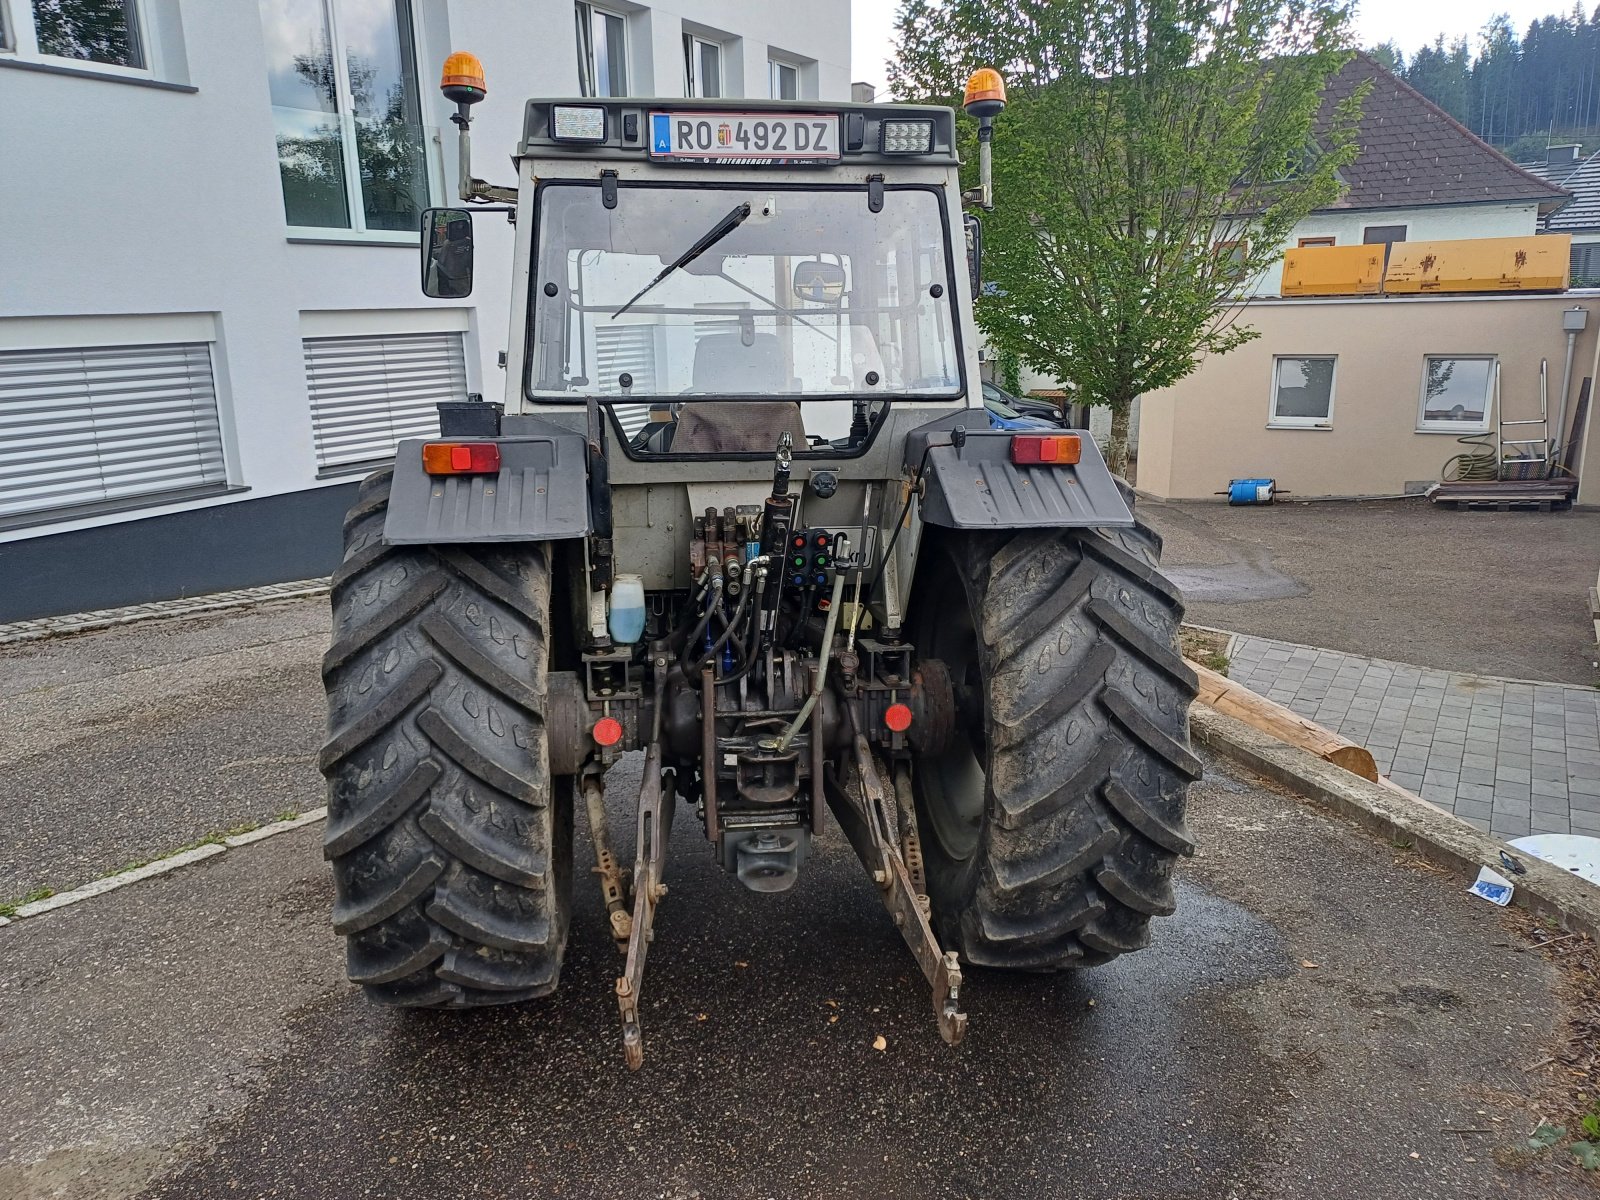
(121, 199)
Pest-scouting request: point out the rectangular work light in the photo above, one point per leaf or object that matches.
(907, 137)
(577, 123)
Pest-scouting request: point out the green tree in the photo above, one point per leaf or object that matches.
(1155, 155)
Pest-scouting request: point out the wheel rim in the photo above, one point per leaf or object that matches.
(953, 786)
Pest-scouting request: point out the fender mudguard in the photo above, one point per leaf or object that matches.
(979, 487)
(541, 493)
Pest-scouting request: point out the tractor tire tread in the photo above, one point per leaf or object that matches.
(451, 844)
(1087, 736)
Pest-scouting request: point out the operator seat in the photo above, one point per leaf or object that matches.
(724, 364)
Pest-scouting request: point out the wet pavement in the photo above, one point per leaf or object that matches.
(193, 1037)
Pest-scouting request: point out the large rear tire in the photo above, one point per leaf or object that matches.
(451, 843)
(1049, 831)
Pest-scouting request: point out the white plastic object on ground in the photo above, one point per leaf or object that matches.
(1570, 851)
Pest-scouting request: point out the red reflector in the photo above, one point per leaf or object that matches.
(1046, 449)
(461, 458)
(897, 717)
(608, 731)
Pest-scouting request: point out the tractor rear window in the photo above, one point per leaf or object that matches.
(747, 293)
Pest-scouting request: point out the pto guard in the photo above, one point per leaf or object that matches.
(540, 493)
(977, 486)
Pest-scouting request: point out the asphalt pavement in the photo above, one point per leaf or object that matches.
(121, 746)
(193, 1036)
(1486, 593)
(1315, 1021)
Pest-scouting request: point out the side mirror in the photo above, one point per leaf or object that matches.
(447, 253)
(819, 282)
(974, 229)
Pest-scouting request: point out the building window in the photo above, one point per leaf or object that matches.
(369, 393)
(1236, 253)
(98, 427)
(702, 67)
(1586, 264)
(1302, 391)
(1317, 241)
(785, 80)
(351, 147)
(1456, 393)
(602, 52)
(99, 31)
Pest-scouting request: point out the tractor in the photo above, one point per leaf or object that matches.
(742, 512)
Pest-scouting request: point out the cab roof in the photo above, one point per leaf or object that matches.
(627, 127)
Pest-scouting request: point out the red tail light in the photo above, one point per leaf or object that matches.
(461, 458)
(1046, 449)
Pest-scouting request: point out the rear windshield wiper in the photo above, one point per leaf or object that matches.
(734, 219)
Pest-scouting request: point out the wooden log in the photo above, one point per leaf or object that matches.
(1239, 702)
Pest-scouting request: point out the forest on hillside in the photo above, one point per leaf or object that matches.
(1520, 93)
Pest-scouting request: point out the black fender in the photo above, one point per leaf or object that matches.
(541, 493)
(977, 486)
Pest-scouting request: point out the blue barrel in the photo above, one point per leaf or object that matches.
(1251, 491)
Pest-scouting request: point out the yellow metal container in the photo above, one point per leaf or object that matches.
(1520, 264)
(1333, 271)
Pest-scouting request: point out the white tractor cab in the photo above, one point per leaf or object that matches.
(743, 509)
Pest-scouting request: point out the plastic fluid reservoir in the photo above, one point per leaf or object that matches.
(627, 609)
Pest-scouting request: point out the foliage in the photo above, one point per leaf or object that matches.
(1523, 94)
(1154, 157)
(1011, 372)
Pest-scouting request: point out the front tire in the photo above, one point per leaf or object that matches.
(1050, 830)
(451, 843)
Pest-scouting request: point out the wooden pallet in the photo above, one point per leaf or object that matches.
(1506, 495)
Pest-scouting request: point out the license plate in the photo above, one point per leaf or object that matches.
(744, 137)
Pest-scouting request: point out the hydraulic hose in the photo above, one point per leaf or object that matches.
(713, 603)
(747, 657)
(841, 545)
(715, 648)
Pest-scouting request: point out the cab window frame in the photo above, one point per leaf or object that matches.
(960, 391)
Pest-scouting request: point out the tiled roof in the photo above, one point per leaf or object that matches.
(1415, 153)
(1582, 179)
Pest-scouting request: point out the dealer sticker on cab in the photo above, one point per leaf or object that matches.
(744, 137)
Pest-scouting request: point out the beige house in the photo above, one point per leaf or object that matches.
(1364, 396)
(1368, 395)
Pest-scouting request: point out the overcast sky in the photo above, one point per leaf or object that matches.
(1408, 23)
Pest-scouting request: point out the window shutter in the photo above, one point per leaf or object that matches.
(106, 423)
(630, 348)
(370, 393)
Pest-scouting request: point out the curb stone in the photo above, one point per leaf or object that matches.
(189, 606)
(1437, 835)
(161, 866)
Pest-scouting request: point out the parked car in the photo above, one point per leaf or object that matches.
(1014, 412)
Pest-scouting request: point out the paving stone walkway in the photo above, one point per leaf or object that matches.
(1513, 757)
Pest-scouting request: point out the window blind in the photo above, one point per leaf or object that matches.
(101, 424)
(630, 348)
(370, 393)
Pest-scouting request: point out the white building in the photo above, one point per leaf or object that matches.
(211, 324)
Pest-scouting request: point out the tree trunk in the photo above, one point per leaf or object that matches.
(1117, 443)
